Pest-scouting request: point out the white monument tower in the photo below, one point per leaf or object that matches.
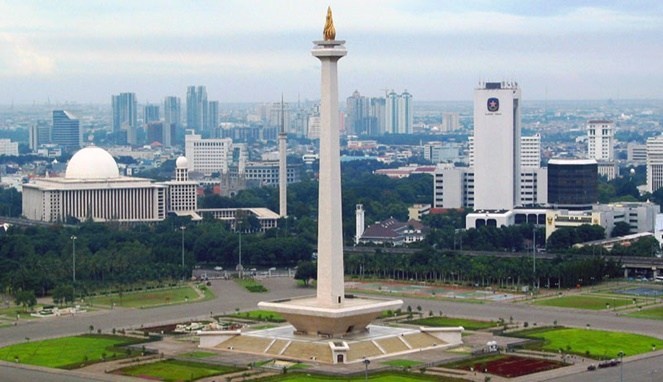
(329, 313)
(283, 169)
(359, 222)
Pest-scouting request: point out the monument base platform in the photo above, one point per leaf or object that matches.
(376, 342)
(310, 318)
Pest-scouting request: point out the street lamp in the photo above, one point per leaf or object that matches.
(182, 228)
(366, 363)
(240, 268)
(73, 257)
(621, 366)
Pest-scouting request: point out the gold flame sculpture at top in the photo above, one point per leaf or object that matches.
(329, 32)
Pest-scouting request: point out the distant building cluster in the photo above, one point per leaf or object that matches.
(375, 116)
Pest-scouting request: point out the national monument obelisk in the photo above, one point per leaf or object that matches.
(330, 312)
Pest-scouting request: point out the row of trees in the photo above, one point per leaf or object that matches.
(452, 267)
(40, 259)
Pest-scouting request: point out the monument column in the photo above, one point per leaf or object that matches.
(330, 288)
(283, 167)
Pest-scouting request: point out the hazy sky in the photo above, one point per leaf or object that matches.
(84, 51)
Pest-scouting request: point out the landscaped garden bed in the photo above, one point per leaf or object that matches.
(507, 366)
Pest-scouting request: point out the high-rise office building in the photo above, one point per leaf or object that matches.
(125, 116)
(450, 122)
(572, 183)
(66, 130)
(530, 151)
(212, 120)
(208, 156)
(654, 163)
(377, 115)
(196, 108)
(151, 114)
(39, 134)
(497, 146)
(357, 114)
(600, 140)
(172, 118)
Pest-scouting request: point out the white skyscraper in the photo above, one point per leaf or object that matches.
(497, 146)
(600, 140)
(405, 118)
(398, 113)
(654, 163)
(207, 155)
(530, 152)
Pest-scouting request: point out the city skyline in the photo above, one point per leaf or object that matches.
(247, 51)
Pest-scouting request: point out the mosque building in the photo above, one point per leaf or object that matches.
(93, 189)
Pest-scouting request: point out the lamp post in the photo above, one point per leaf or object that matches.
(366, 363)
(73, 258)
(240, 268)
(182, 228)
(73, 266)
(533, 260)
(621, 366)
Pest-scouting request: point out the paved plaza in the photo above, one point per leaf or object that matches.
(230, 296)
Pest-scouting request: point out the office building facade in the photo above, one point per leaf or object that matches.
(600, 140)
(66, 130)
(654, 163)
(497, 146)
(125, 117)
(572, 183)
(207, 156)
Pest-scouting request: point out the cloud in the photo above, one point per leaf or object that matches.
(20, 58)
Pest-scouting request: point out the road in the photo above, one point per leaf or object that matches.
(231, 296)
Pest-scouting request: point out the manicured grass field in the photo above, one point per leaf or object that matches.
(653, 313)
(449, 321)
(584, 302)
(251, 285)
(402, 363)
(66, 352)
(260, 315)
(380, 377)
(600, 344)
(174, 370)
(149, 298)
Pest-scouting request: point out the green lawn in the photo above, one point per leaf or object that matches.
(449, 321)
(260, 315)
(402, 363)
(653, 313)
(584, 302)
(149, 298)
(66, 352)
(379, 377)
(174, 370)
(599, 343)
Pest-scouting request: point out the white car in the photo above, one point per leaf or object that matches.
(218, 268)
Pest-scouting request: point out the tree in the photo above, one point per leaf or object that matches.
(306, 270)
(63, 294)
(26, 298)
(620, 229)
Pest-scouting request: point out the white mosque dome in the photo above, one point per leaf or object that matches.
(182, 162)
(92, 163)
